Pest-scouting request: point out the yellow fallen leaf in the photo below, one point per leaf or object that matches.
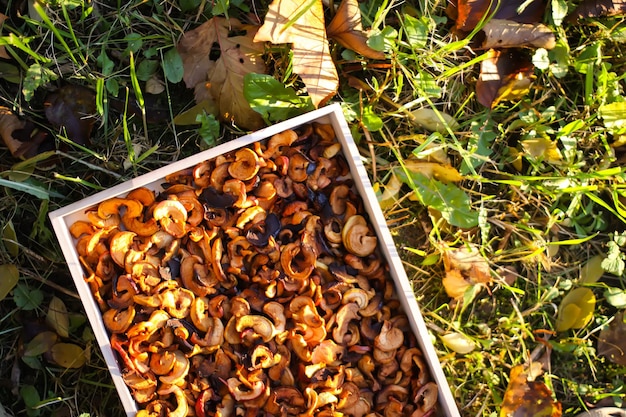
(57, 317)
(430, 120)
(542, 148)
(390, 192)
(9, 238)
(455, 284)
(576, 309)
(592, 271)
(458, 342)
(443, 173)
(301, 23)
(346, 29)
(68, 355)
(9, 275)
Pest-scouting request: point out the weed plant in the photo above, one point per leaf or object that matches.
(543, 178)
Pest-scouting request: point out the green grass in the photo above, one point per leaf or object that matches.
(535, 219)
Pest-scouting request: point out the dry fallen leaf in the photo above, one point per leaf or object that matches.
(9, 123)
(592, 271)
(542, 148)
(68, 355)
(458, 342)
(440, 172)
(72, 108)
(57, 317)
(467, 14)
(41, 343)
(346, 29)
(612, 340)
(464, 267)
(500, 33)
(597, 8)
(216, 56)
(505, 75)
(302, 25)
(528, 398)
(430, 120)
(576, 309)
(3, 51)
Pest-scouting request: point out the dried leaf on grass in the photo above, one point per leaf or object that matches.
(612, 340)
(524, 397)
(347, 30)
(302, 25)
(41, 343)
(576, 309)
(505, 75)
(465, 267)
(57, 317)
(597, 8)
(68, 355)
(9, 276)
(9, 239)
(434, 170)
(3, 51)
(72, 108)
(9, 123)
(216, 56)
(434, 121)
(469, 13)
(501, 33)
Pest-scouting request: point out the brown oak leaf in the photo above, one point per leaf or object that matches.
(302, 25)
(524, 397)
(216, 56)
(346, 29)
(612, 340)
(506, 74)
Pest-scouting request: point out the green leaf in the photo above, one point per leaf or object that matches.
(9, 237)
(371, 120)
(560, 57)
(146, 69)
(173, 66)
(478, 146)
(559, 11)
(541, 59)
(27, 188)
(36, 76)
(416, 31)
(105, 63)
(9, 276)
(220, 7)
(452, 202)
(27, 299)
(616, 297)
(588, 58)
(613, 115)
(614, 261)
(31, 398)
(135, 40)
(209, 129)
(9, 72)
(272, 99)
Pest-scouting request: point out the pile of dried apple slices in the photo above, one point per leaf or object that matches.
(253, 285)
